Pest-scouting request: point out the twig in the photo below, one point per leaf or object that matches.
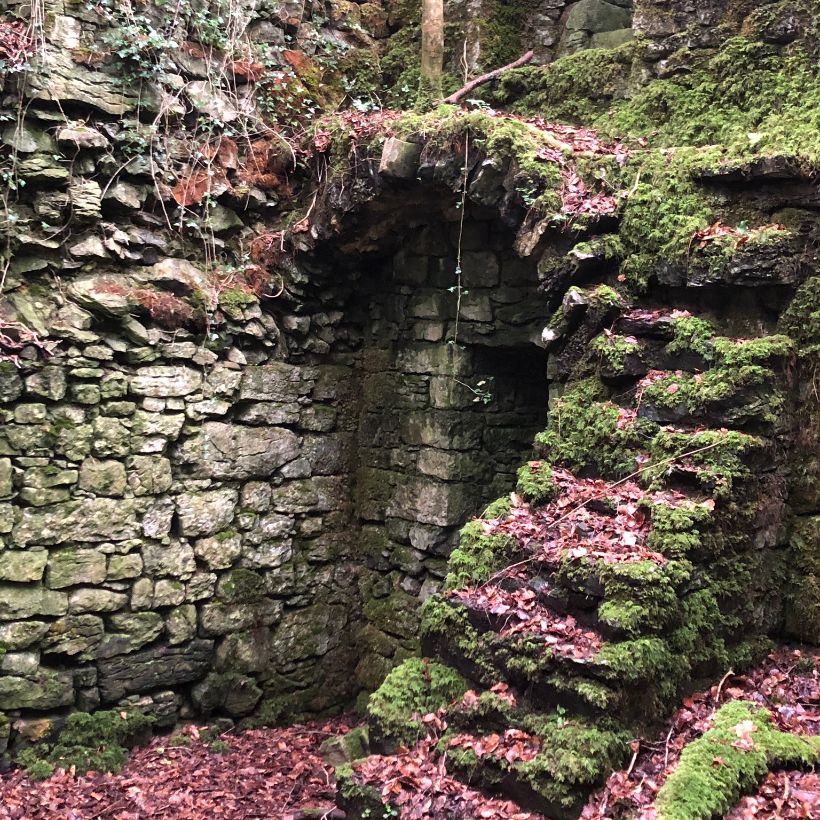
(666, 747)
(485, 78)
(634, 757)
(720, 685)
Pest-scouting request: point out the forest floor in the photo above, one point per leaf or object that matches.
(279, 773)
(275, 774)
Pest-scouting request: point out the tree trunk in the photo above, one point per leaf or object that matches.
(432, 52)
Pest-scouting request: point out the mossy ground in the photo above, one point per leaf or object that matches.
(97, 742)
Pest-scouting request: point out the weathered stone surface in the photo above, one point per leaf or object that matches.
(104, 477)
(81, 136)
(597, 15)
(20, 663)
(6, 486)
(149, 475)
(219, 551)
(153, 668)
(218, 618)
(48, 690)
(400, 159)
(230, 452)
(129, 632)
(165, 381)
(88, 519)
(58, 78)
(92, 599)
(26, 601)
(71, 567)
(180, 624)
(176, 559)
(205, 513)
(236, 694)
(20, 634)
(308, 632)
(124, 566)
(245, 651)
(73, 635)
(48, 383)
(277, 382)
(22, 566)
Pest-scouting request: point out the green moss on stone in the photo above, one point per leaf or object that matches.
(477, 557)
(411, 690)
(535, 483)
(729, 760)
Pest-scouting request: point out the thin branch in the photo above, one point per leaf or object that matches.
(485, 78)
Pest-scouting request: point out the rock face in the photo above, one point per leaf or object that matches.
(218, 496)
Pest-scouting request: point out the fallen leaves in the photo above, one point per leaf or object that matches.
(792, 697)
(265, 773)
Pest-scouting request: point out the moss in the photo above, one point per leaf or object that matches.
(218, 747)
(574, 756)
(715, 770)
(612, 350)
(801, 319)
(501, 29)
(477, 557)
(678, 532)
(413, 689)
(691, 333)
(497, 509)
(583, 433)
(803, 593)
(442, 620)
(535, 483)
(97, 742)
(179, 740)
(241, 586)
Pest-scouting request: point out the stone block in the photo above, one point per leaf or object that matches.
(48, 383)
(71, 567)
(49, 689)
(308, 633)
(218, 618)
(219, 551)
(6, 486)
(112, 437)
(27, 601)
(228, 451)
(156, 523)
(88, 519)
(20, 663)
(479, 269)
(30, 413)
(180, 624)
(168, 592)
(429, 502)
(434, 359)
(163, 381)
(399, 159)
(444, 430)
(20, 634)
(175, 559)
(205, 513)
(597, 15)
(154, 668)
(22, 565)
(130, 631)
(102, 477)
(73, 635)
(92, 599)
(121, 567)
(277, 382)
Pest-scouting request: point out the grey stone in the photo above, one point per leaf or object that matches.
(162, 381)
(25, 138)
(20, 663)
(168, 592)
(156, 523)
(102, 477)
(112, 437)
(49, 383)
(6, 486)
(131, 631)
(121, 567)
(219, 551)
(399, 159)
(81, 136)
(70, 567)
(153, 668)
(27, 601)
(180, 624)
(22, 565)
(218, 618)
(73, 635)
(205, 513)
(20, 634)
(230, 452)
(308, 633)
(176, 559)
(92, 599)
(48, 690)
(236, 694)
(597, 15)
(85, 197)
(278, 382)
(88, 519)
